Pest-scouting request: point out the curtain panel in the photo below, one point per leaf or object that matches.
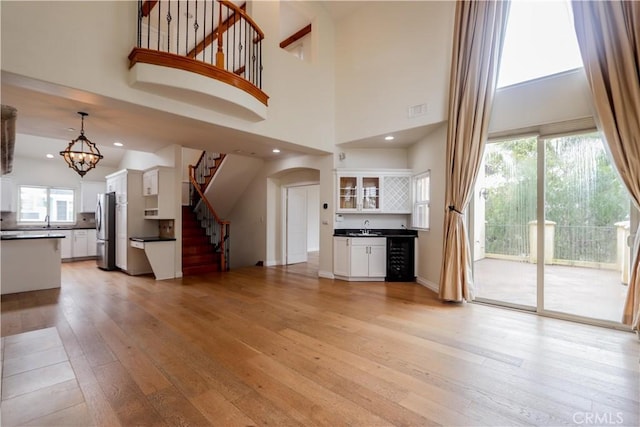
(609, 38)
(477, 45)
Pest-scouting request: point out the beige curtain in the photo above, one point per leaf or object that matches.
(477, 45)
(609, 38)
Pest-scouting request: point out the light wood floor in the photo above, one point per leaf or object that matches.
(260, 346)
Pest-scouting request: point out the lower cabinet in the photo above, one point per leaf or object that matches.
(79, 243)
(360, 258)
(66, 244)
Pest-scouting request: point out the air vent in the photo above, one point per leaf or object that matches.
(417, 110)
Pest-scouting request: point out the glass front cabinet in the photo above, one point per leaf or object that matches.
(359, 193)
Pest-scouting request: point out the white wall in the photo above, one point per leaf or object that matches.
(256, 220)
(378, 158)
(313, 218)
(561, 97)
(390, 56)
(430, 154)
(84, 45)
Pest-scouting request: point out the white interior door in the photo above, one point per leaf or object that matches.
(296, 225)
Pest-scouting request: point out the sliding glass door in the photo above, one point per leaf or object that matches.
(551, 224)
(504, 223)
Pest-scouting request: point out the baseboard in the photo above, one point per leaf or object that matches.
(428, 284)
(271, 263)
(326, 274)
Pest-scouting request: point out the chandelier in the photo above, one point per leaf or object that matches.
(81, 154)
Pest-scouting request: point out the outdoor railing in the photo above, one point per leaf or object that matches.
(583, 244)
(507, 239)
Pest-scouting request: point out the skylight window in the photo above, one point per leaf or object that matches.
(540, 41)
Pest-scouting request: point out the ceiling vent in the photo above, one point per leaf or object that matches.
(417, 110)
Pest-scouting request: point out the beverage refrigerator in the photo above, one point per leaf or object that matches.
(106, 231)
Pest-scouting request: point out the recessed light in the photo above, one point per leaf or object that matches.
(118, 144)
(388, 138)
(275, 150)
(49, 156)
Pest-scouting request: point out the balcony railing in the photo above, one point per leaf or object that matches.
(215, 38)
(584, 245)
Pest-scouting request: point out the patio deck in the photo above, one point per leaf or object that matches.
(588, 292)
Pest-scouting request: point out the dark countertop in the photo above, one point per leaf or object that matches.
(32, 236)
(381, 232)
(152, 239)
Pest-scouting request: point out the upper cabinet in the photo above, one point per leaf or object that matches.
(358, 193)
(397, 193)
(374, 192)
(150, 183)
(117, 182)
(158, 188)
(89, 194)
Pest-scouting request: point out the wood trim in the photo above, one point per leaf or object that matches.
(240, 70)
(165, 59)
(213, 35)
(147, 6)
(244, 15)
(224, 225)
(295, 37)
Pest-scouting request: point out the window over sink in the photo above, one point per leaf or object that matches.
(46, 205)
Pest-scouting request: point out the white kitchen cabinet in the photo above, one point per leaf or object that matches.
(159, 190)
(130, 220)
(358, 193)
(89, 191)
(341, 256)
(397, 194)
(150, 183)
(92, 243)
(360, 258)
(66, 245)
(117, 182)
(369, 257)
(79, 238)
(7, 203)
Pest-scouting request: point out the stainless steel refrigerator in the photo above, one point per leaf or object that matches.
(106, 231)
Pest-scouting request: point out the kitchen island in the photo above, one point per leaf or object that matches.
(29, 262)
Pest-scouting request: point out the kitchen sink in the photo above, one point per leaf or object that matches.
(363, 234)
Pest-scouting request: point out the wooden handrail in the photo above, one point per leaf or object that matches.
(192, 178)
(213, 35)
(244, 15)
(296, 36)
(224, 225)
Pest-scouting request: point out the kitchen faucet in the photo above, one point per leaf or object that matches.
(366, 227)
(46, 219)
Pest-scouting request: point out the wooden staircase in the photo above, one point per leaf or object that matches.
(198, 254)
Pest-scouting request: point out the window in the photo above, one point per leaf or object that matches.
(540, 40)
(420, 217)
(36, 203)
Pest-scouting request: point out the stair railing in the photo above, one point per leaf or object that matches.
(216, 228)
(206, 166)
(215, 38)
